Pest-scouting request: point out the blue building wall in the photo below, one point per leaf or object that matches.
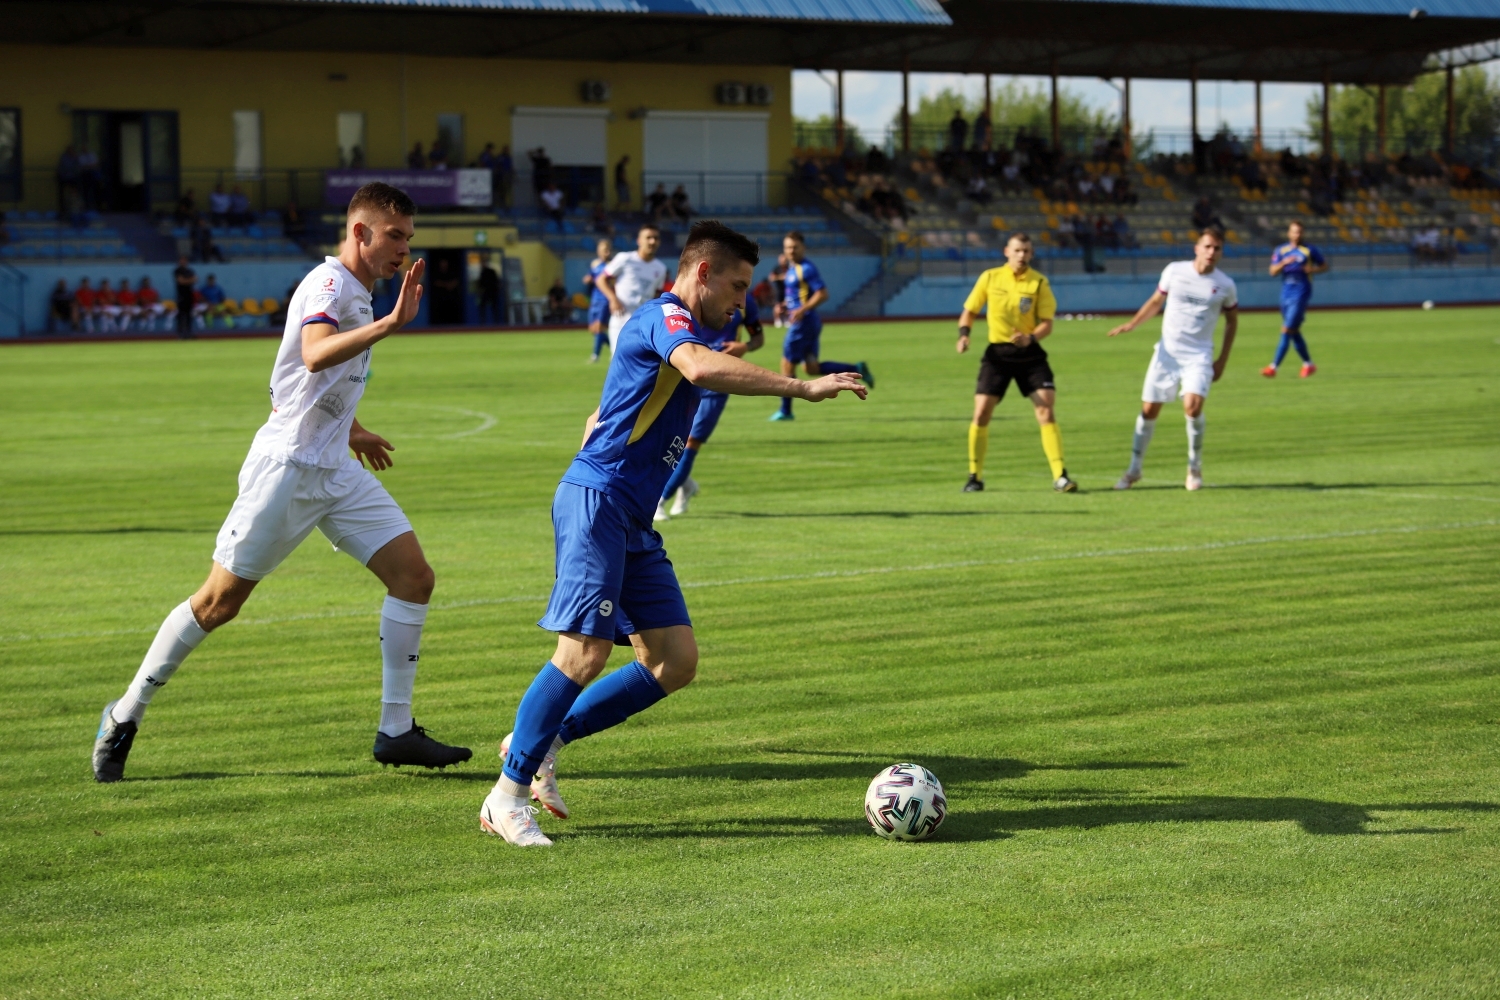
(932, 295)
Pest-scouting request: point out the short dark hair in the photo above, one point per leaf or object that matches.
(647, 225)
(382, 198)
(1217, 232)
(1020, 235)
(796, 234)
(716, 243)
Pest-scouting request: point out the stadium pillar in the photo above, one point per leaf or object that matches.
(838, 113)
(1193, 112)
(1380, 120)
(1056, 125)
(1448, 129)
(906, 105)
(988, 110)
(1259, 135)
(1125, 118)
(1327, 114)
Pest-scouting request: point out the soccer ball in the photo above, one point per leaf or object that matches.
(1429, 304)
(905, 802)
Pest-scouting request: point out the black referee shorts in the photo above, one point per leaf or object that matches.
(1003, 363)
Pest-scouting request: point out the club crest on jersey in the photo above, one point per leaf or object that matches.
(1025, 304)
(331, 404)
(328, 284)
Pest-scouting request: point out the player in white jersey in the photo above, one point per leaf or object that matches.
(1194, 292)
(632, 279)
(299, 475)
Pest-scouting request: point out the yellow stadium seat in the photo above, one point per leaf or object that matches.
(580, 300)
(996, 222)
(269, 306)
(250, 307)
(1166, 236)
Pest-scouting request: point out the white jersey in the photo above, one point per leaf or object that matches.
(311, 412)
(636, 281)
(1194, 302)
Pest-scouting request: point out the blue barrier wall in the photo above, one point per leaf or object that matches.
(932, 295)
(250, 279)
(843, 273)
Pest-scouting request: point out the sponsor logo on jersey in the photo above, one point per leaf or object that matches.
(331, 404)
(674, 452)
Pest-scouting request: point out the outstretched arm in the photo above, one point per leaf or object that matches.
(323, 346)
(723, 373)
(1231, 327)
(1150, 308)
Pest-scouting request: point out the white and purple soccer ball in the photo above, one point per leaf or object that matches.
(905, 802)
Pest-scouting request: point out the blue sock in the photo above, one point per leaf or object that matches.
(542, 710)
(834, 367)
(786, 405)
(1301, 346)
(1285, 342)
(611, 700)
(600, 339)
(681, 473)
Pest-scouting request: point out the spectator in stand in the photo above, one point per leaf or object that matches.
(541, 169)
(603, 225)
(505, 173)
(183, 280)
(69, 183)
(106, 308)
(681, 208)
(187, 208)
(62, 310)
(83, 307)
(1204, 215)
(552, 204)
(622, 184)
(656, 205)
(357, 158)
(490, 303)
(218, 206)
(1124, 235)
(293, 226)
(983, 131)
(148, 302)
(239, 208)
(876, 162)
(212, 305)
(958, 129)
(416, 159)
(89, 178)
(978, 191)
(437, 155)
(558, 304)
(204, 247)
(487, 160)
(126, 302)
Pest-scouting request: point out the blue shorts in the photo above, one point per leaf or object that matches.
(1294, 309)
(598, 311)
(710, 408)
(802, 340)
(613, 575)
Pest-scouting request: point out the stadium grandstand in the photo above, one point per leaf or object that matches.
(132, 135)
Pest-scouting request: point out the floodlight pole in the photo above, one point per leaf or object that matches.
(906, 105)
(1193, 111)
(1448, 132)
(989, 111)
(1380, 120)
(1259, 135)
(1125, 119)
(1056, 125)
(1327, 113)
(838, 113)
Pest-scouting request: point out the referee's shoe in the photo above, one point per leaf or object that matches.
(1064, 484)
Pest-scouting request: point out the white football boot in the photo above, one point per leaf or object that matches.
(685, 493)
(544, 785)
(661, 512)
(1195, 479)
(511, 820)
(1126, 481)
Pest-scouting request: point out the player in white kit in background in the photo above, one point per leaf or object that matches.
(1195, 292)
(632, 279)
(299, 475)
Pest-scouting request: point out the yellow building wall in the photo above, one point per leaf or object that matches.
(299, 95)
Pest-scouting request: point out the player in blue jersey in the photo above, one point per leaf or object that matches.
(681, 487)
(604, 251)
(615, 585)
(805, 291)
(1296, 262)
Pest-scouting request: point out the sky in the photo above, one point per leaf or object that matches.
(871, 99)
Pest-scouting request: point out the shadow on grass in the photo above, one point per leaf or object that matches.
(222, 775)
(763, 515)
(108, 531)
(1312, 815)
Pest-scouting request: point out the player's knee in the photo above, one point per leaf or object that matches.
(679, 671)
(215, 609)
(418, 582)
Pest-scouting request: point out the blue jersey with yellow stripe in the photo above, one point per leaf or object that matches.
(802, 280)
(1294, 276)
(645, 412)
(596, 293)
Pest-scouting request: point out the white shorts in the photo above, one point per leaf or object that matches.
(616, 324)
(279, 505)
(1194, 373)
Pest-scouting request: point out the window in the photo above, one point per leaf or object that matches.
(247, 153)
(351, 136)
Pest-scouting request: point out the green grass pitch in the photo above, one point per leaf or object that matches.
(1239, 743)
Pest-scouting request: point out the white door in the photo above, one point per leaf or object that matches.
(719, 156)
(572, 137)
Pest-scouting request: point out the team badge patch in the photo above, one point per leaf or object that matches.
(678, 318)
(1025, 304)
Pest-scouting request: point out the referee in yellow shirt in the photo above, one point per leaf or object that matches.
(1021, 306)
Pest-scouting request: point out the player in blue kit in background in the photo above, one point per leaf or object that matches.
(710, 408)
(1296, 262)
(598, 301)
(615, 584)
(805, 291)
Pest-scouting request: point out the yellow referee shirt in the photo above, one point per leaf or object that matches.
(1016, 303)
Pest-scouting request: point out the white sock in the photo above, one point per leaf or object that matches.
(178, 636)
(1195, 442)
(400, 642)
(1143, 430)
(505, 788)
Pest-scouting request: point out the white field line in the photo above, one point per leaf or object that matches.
(831, 574)
(486, 420)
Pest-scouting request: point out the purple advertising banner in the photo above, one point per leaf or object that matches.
(428, 188)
